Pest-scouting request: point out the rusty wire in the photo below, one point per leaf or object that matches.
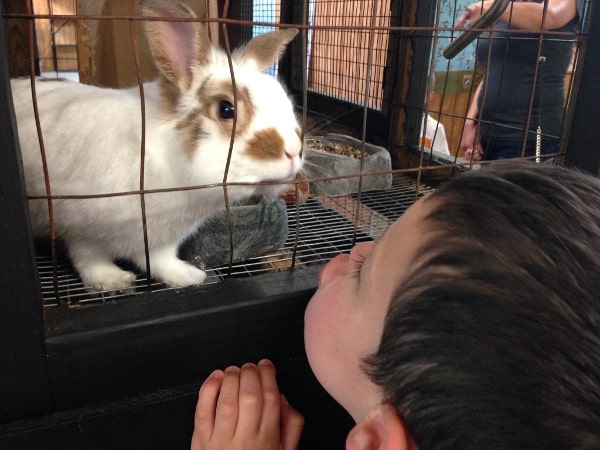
(138, 71)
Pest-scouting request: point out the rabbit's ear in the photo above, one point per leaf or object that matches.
(176, 47)
(266, 49)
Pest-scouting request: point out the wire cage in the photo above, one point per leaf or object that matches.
(357, 84)
(371, 71)
(326, 227)
(344, 60)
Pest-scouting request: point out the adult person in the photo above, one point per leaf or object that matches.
(521, 100)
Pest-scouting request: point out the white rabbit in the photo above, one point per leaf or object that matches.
(92, 139)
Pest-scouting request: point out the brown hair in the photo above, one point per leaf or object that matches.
(493, 341)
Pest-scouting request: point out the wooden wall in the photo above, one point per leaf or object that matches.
(450, 108)
(18, 37)
(60, 53)
(339, 57)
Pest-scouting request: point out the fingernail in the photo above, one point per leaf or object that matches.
(265, 363)
(217, 374)
(232, 369)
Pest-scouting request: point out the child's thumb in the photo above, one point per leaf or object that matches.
(291, 425)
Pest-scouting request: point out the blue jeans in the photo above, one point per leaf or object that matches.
(513, 149)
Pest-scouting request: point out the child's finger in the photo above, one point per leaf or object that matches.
(292, 423)
(226, 415)
(250, 401)
(270, 396)
(204, 419)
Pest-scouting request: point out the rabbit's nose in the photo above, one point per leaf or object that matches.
(293, 148)
(293, 153)
(295, 159)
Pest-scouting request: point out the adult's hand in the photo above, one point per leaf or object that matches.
(473, 12)
(470, 143)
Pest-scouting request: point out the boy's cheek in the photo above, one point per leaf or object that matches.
(316, 332)
(310, 327)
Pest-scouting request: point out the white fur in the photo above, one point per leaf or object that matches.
(92, 140)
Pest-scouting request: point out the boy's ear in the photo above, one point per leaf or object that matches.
(381, 429)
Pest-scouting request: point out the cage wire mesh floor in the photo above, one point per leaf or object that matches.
(318, 230)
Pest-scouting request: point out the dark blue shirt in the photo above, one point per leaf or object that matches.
(504, 102)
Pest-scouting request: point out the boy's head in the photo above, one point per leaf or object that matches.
(476, 316)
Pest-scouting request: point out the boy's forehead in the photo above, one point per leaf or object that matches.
(412, 220)
(398, 246)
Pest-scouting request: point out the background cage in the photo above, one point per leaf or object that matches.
(75, 364)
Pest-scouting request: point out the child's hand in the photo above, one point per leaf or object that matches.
(241, 408)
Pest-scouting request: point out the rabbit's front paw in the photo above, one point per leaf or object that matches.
(106, 277)
(178, 273)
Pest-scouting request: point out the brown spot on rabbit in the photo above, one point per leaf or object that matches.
(266, 144)
(213, 97)
(169, 96)
(193, 131)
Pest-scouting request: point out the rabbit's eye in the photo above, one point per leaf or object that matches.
(226, 110)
